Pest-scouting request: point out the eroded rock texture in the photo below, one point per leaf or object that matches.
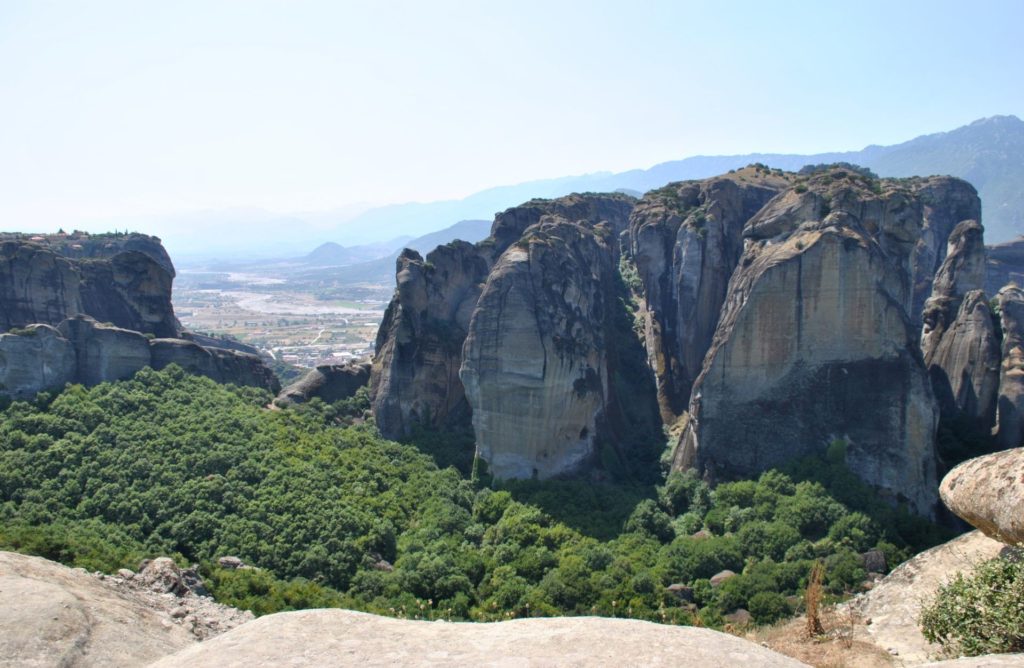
(34, 360)
(535, 368)
(1010, 411)
(685, 240)
(817, 340)
(988, 492)
(127, 283)
(959, 339)
(415, 376)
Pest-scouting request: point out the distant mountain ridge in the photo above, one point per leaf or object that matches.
(988, 153)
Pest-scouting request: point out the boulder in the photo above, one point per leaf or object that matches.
(342, 637)
(721, 576)
(875, 562)
(329, 382)
(162, 575)
(988, 492)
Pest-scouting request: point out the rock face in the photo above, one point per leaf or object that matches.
(342, 637)
(535, 366)
(328, 382)
(685, 240)
(1004, 264)
(959, 342)
(415, 375)
(817, 341)
(37, 359)
(48, 280)
(109, 296)
(894, 604)
(988, 492)
(80, 350)
(1010, 412)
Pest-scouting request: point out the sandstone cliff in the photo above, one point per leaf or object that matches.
(47, 279)
(1004, 264)
(817, 341)
(959, 340)
(1010, 411)
(415, 376)
(685, 240)
(535, 365)
(330, 382)
(81, 350)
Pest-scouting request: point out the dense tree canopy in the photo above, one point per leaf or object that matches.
(331, 514)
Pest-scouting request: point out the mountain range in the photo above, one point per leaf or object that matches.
(988, 153)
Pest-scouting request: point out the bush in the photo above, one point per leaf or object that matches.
(768, 607)
(980, 613)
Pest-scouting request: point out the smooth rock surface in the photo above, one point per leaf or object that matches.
(894, 604)
(988, 492)
(51, 615)
(817, 341)
(35, 360)
(342, 637)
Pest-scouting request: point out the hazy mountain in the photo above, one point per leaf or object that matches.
(989, 153)
(332, 254)
(382, 270)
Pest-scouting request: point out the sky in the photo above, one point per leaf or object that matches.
(110, 110)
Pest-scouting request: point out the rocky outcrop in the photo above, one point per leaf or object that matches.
(959, 339)
(52, 615)
(342, 637)
(329, 382)
(817, 341)
(81, 350)
(988, 492)
(1010, 408)
(1004, 265)
(535, 366)
(46, 280)
(893, 606)
(685, 240)
(415, 375)
(34, 359)
(103, 352)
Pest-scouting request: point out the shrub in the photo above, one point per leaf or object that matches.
(768, 607)
(980, 613)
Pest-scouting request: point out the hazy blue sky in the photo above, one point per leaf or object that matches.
(111, 109)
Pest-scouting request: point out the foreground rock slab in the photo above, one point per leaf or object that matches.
(51, 615)
(343, 637)
(894, 605)
(988, 492)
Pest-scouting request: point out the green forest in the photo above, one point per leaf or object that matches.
(331, 514)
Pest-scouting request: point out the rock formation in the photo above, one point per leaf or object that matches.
(988, 492)
(535, 364)
(817, 340)
(341, 637)
(53, 615)
(1004, 264)
(685, 240)
(959, 341)
(109, 298)
(329, 382)
(1010, 411)
(415, 376)
(46, 280)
